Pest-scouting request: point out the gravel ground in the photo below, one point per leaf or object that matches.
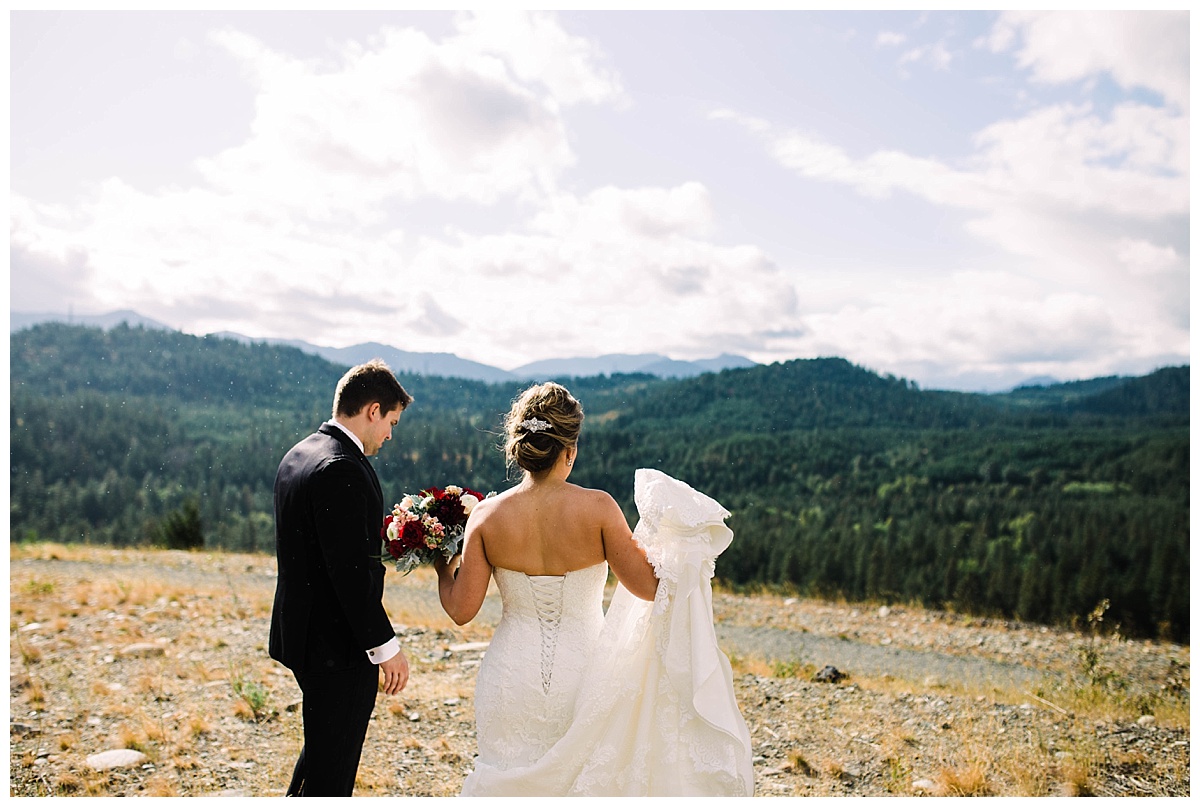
(164, 653)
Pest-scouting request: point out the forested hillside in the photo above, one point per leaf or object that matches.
(1038, 503)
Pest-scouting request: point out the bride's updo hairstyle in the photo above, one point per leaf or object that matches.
(544, 420)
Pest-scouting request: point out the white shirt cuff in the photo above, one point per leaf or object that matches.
(385, 651)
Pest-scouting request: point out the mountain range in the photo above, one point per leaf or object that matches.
(446, 365)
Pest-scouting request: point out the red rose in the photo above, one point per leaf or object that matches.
(412, 536)
(395, 549)
(449, 511)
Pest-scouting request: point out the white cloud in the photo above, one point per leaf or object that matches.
(1148, 49)
(1083, 205)
(291, 228)
(995, 327)
(936, 55)
(301, 230)
(1049, 187)
(629, 264)
(473, 117)
(539, 51)
(1143, 258)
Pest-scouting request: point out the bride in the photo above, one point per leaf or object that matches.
(570, 700)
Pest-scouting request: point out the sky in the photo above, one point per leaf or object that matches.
(965, 199)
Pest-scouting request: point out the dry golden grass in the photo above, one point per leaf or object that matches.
(197, 725)
(161, 784)
(1075, 778)
(30, 653)
(751, 665)
(68, 783)
(181, 762)
(799, 764)
(821, 740)
(134, 737)
(36, 693)
(966, 780)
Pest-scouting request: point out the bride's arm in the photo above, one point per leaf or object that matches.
(625, 558)
(462, 587)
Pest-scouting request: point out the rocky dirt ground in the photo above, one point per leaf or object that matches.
(163, 654)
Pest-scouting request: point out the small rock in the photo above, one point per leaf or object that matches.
(294, 706)
(32, 626)
(829, 675)
(468, 647)
(924, 785)
(143, 650)
(884, 611)
(450, 702)
(117, 758)
(414, 717)
(1145, 721)
(932, 682)
(23, 728)
(790, 601)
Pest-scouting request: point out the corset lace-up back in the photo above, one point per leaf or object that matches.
(529, 678)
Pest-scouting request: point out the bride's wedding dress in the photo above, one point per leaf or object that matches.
(636, 702)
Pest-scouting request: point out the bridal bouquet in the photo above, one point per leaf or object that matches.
(426, 525)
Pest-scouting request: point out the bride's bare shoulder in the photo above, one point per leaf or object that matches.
(597, 499)
(489, 505)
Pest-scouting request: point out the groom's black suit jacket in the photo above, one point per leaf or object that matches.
(328, 607)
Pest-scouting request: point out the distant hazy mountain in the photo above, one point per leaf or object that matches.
(1058, 394)
(19, 320)
(650, 363)
(1038, 381)
(450, 366)
(446, 365)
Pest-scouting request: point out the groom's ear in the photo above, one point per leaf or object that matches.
(374, 411)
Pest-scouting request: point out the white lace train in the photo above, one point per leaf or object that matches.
(653, 711)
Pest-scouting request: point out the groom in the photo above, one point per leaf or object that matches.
(328, 624)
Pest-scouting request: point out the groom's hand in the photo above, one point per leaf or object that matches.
(395, 673)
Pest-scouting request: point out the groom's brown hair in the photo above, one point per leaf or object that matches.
(372, 382)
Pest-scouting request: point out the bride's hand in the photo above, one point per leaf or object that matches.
(443, 566)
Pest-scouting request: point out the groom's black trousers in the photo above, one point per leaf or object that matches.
(337, 707)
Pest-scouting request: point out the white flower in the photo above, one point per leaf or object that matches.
(406, 503)
(427, 502)
(393, 530)
(468, 502)
(454, 490)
